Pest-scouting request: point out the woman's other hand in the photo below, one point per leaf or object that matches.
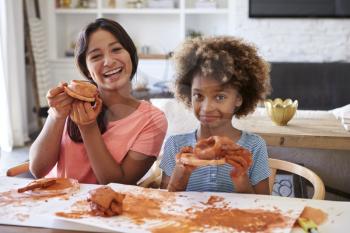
(83, 113)
(59, 102)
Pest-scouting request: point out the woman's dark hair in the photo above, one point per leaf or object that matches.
(80, 59)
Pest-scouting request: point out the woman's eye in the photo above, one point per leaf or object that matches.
(116, 49)
(94, 57)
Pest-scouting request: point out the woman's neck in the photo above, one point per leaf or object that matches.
(119, 104)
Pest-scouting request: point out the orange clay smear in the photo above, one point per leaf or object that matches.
(214, 199)
(61, 183)
(238, 219)
(13, 197)
(317, 215)
(140, 209)
(62, 188)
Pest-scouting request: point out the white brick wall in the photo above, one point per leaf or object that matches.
(288, 39)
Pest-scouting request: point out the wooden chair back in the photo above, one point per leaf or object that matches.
(153, 177)
(276, 164)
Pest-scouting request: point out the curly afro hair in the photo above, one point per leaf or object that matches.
(229, 60)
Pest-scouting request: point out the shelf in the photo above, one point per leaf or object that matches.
(206, 11)
(159, 29)
(140, 11)
(75, 11)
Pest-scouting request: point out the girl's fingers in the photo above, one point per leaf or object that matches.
(189, 168)
(238, 169)
(241, 160)
(235, 161)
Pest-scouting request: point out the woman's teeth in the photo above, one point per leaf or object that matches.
(112, 72)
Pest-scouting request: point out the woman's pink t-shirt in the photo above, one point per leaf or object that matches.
(142, 131)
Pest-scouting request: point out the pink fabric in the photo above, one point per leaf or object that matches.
(142, 131)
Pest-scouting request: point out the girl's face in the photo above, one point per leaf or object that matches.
(108, 62)
(213, 104)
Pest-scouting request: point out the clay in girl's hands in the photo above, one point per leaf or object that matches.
(217, 150)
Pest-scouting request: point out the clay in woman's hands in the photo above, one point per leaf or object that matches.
(81, 90)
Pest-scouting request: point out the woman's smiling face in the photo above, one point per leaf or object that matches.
(108, 62)
(213, 103)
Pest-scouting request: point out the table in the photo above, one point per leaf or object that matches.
(308, 129)
(338, 212)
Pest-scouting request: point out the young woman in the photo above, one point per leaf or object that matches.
(219, 78)
(115, 140)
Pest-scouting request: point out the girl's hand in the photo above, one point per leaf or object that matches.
(83, 113)
(181, 174)
(241, 160)
(59, 102)
(242, 184)
(180, 177)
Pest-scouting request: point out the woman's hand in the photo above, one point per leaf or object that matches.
(83, 113)
(59, 102)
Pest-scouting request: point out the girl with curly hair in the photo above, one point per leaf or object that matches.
(219, 78)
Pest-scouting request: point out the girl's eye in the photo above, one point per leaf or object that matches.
(220, 97)
(196, 96)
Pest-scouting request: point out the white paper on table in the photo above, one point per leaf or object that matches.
(42, 214)
(185, 200)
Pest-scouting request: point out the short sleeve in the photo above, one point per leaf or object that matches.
(167, 163)
(150, 139)
(260, 169)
